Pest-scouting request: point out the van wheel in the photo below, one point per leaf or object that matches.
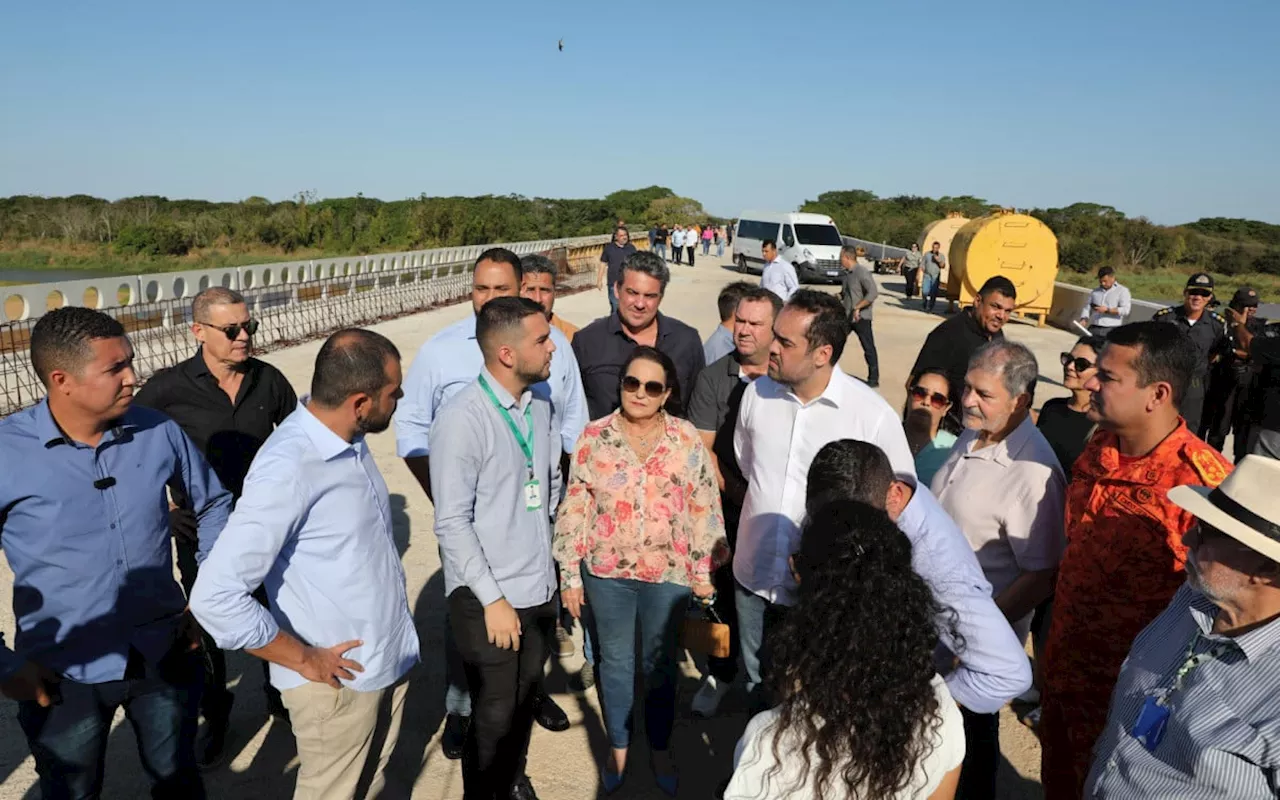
(742, 264)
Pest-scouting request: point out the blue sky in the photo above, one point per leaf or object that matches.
(1167, 109)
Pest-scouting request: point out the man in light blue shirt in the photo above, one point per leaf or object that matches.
(84, 524)
(445, 364)
(1108, 304)
(313, 525)
(493, 519)
(778, 276)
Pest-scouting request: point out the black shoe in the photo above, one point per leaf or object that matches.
(275, 706)
(454, 736)
(549, 715)
(522, 789)
(874, 383)
(211, 746)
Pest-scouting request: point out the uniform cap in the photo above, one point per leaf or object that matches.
(1200, 280)
(1244, 297)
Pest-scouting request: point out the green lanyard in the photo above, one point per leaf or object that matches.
(1190, 662)
(526, 444)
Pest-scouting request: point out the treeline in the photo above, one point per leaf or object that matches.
(157, 226)
(1089, 235)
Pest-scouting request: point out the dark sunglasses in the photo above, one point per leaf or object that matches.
(935, 399)
(1081, 364)
(631, 383)
(232, 332)
(1200, 292)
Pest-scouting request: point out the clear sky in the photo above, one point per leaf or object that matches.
(1162, 108)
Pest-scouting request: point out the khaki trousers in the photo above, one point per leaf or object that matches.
(336, 731)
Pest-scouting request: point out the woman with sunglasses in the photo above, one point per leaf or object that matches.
(930, 430)
(862, 712)
(640, 528)
(1064, 421)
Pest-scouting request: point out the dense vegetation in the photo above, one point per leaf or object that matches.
(150, 227)
(1089, 235)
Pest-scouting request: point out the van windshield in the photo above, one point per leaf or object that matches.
(818, 234)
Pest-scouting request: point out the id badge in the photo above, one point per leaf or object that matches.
(1148, 729)
(532, 496)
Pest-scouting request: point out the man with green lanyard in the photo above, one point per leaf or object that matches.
(494, 499)
(1195, 713)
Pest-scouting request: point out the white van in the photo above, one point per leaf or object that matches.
(809, 241)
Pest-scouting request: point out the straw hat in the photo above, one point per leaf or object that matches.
(1246, 506)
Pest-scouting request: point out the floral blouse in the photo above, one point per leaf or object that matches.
(657, 521)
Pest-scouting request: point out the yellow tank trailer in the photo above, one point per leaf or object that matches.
(1017, 246)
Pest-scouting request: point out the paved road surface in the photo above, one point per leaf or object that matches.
(562, 765)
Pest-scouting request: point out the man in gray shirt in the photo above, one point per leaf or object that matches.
(858, 291)
(493, 521)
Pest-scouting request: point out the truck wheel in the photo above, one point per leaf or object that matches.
(742, 264)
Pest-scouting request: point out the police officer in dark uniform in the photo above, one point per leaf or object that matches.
(1208, 330)
(1227, 405)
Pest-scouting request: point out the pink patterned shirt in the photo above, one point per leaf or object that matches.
(657, 521)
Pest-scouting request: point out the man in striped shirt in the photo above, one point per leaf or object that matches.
(1195, 713)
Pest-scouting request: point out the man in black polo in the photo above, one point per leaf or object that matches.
(1208, 330)
(949, 346)
(603, 346)
(714, 412)
(611, 259)
(228, 403)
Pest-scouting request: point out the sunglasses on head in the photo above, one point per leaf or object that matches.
(935, 399)
(1081, 364)
(1200, 292)
(232, 332)
(631, 383)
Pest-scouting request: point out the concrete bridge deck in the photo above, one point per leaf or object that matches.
(563, 766)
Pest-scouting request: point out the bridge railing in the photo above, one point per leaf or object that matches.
(293, 301)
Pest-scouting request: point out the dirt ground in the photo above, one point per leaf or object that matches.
(563, 766)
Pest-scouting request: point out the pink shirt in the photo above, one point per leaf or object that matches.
(657, 520)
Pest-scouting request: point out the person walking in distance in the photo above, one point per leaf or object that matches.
(1124, 557)
(931, 270)
(660, 241)
(445, 364)
(677, 243)
(911, 264)
(708, 233)
(493, 519)
(228, 403)
(82, 488)
(778, 276)
(313, 525)
(714, 412)
(1209, 340)
(691, 237)
(858, 291)
(721, 235)
(611, 260)
(1108, 304)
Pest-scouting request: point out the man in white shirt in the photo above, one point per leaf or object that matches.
(1004, 487)
(778, 276)
(1109, 303)
(785, 418)
(313, 526)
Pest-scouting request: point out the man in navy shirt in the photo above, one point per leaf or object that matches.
(610, 272)
(84, 523)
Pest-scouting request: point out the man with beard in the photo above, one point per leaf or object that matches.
(1125, 555)
(313, 525)
(493, 520)
(1207, 332)
(1018, 540)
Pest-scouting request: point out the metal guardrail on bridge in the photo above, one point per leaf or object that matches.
(293, 301)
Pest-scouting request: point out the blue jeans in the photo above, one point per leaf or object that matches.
(756, 617)
(706, 246)
(661, 249)
(720, 249)
(929, 290)
(613, 299)
(69, 740)
(616, 603)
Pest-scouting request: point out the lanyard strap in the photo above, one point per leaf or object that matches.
(1191, 661)
(526, 444)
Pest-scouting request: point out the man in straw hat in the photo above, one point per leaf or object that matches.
(1195, 712)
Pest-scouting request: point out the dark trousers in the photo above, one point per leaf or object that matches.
(216, 699)
(910, 275)
(981, 756)
(1193, 402)
(1226, 407)
(692, 254)
(725, 669)
(862, 328)
(69, 740)
(503, 684)
(676, 251)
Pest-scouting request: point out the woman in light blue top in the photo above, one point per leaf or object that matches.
(926, 422)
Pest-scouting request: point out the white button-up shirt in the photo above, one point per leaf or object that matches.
(1116, 297)
(775, 441)
(780, 278)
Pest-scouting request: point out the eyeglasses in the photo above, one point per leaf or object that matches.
(1081, 364)
(232, 332)
(631, 383)
(938, 401)
(1200, 292)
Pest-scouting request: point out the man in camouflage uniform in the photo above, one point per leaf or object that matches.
(1124, 557)
(1208, 332)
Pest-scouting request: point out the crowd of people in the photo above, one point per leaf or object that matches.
(874, 575)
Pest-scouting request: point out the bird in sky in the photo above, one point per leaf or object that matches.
(561, 45)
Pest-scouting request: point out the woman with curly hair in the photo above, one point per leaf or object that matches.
(863, 713)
